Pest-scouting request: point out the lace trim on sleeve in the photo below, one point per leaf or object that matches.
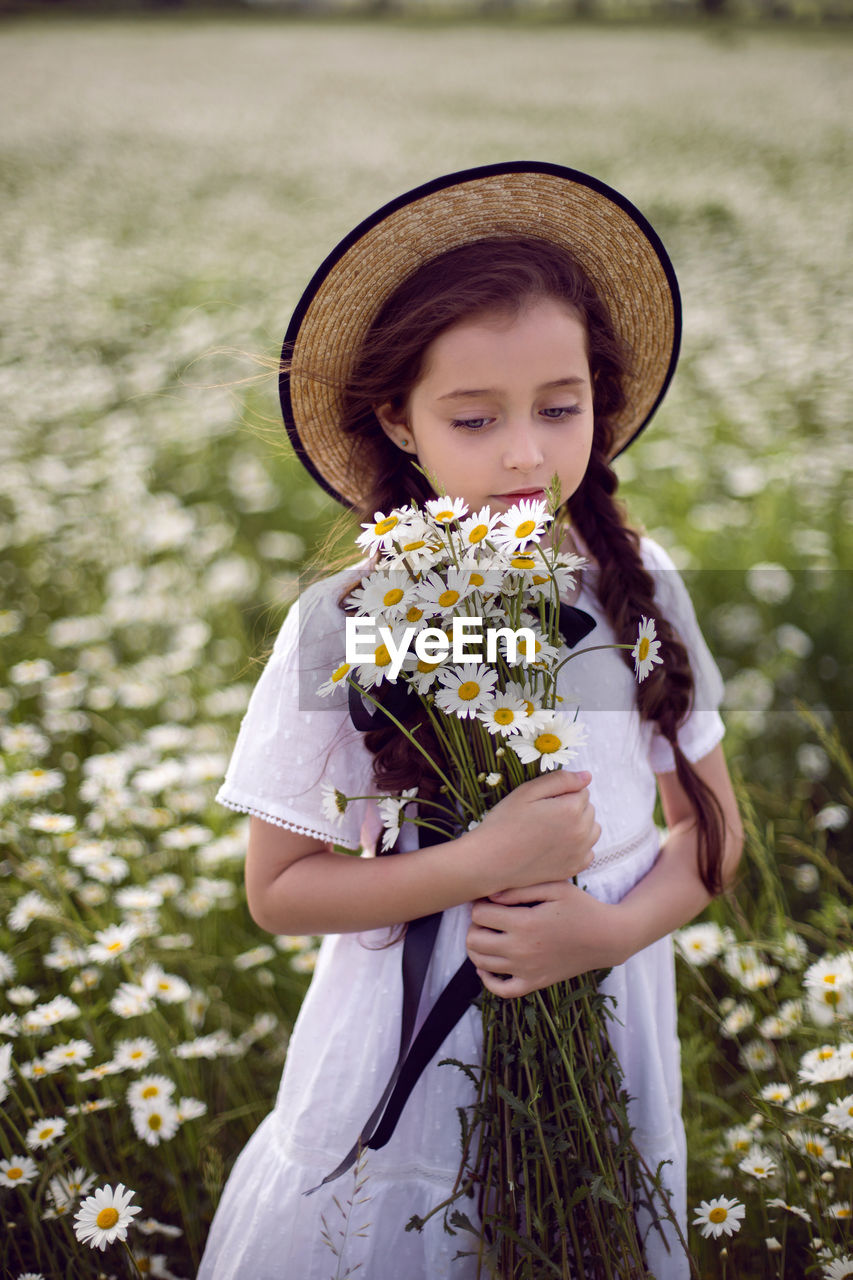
(239, 807)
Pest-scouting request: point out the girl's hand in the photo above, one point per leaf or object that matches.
(543, 830)
(563, 931)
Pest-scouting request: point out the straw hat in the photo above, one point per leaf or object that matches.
(606, 234)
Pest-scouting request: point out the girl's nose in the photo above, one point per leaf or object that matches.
(523, 450)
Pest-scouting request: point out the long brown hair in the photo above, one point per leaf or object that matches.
(503, 275)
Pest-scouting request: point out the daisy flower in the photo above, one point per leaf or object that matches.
(444, 510)
(45, 1132)
(337, 680)
(758, 1163)
(111, 943)
(839, 1269)
(700, 943)
(391, 810)
(476, 528)
(149, 1089)
(738, 1018)
(645, 651)
(333, 804)
(65, 1188)
(137, 1053)
(840, 1211)
(526, 519)
(812, 1144)
(71, 1054)
(719, 1217)
(442, 594)
(17, 1171)
(168, 987)
(379, 532)
(388, 593)
(840, 1114)
(505, 713)
(758, 1055)
(465, 690)
(541, 653)
(554, 743)
(802, 1102)
(105, 1216)
(131, 1000)
(762, 975)
(151, 1227)
(155, 1120)
(822, 1064)
(777, 1092)
(778, 1203)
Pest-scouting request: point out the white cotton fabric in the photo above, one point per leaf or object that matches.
(346, 1037)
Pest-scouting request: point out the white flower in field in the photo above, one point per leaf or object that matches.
(465, 689)
(845, 1056)
(100, 1071)
(250, 959)
(777, 1092)
(21, 995)
(769, 582)
(832, 817)
(10, 622)
(35, 784)
(136, 1053)
(761, 976)
(51, 823)
(772, 1244)
(646, 650)
(813, 1144)
(494, 779)
(392, 812)
(333, 804)
(840, 1113)
(31, 906)
(150, 1089)
(831, 972)
(305, 962)
(59, 1009)
(36, 1069)
(89, 1108)
(553, 743)
(293, 941)
(719, 1216)
(65, 1188)
(105, 1216)
(739, 1017)
(839, 1268)
(796, 1209)
(806, 877)
(151, 1227)
(137, 897)
(10, 1024)
(168, 987)
(840, 1211)
(71, 1054)
(45, 1132)
(131, 1000)
(822, 1064)
(700, 943)
(7, 968)
(215, 1045)
(740, 959)
(155, 1120)
(5, 1069)
(112, 942)
(188, 836)
(504, 713)
(525, 520)
(758, 1163)
(776, 1026)
(17, 1171)
(190, 1109)
(758, 1055)
(802, 1102)
(64, 954)
(445, 510)
(30, 671)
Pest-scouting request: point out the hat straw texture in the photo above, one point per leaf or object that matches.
(611, 240)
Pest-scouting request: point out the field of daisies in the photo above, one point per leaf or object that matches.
(168, 190)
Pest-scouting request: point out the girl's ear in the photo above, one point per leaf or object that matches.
(393, 423)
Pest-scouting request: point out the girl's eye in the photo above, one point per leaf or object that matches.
(558, 412)
(469, 424)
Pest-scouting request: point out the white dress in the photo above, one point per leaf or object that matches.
(345, 1041)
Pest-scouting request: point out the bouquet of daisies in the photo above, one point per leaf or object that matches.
(463, 610)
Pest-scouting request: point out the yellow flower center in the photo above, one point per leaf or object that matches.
(468, 689)
(478, 533)
(382, 657)
(832, 997)
(718, 1215)
(394, 596)
(829, 977)
(414, 614)
(824, 1055)
(539, 579)
(643, 650)
(150, 1091)
(107, 1218)
(414, 546)
(547, 743)
(154, 1122)
(525, 529)
(445, 515)
(426, 667)
(143, 1266)
(504, 715)
(524, 648)
(340, 672)
(477, 579)
(114, 946)
(523, 561)
(814, 1148)
(163, 986)
(448, 598)
(46, 1132)
(384, 526)
(15, 1172)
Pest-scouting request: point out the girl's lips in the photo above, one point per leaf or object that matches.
(522, 493)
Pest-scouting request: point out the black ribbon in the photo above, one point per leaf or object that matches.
(464, 987)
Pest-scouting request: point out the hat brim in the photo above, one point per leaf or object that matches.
(613, 242)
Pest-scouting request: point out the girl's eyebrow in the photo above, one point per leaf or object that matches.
(572, 381)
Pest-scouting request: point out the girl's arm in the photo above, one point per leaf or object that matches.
(545, 829)
(569, 931)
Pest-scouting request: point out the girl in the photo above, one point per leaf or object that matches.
(497, 327)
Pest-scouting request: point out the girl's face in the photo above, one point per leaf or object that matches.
(504, 402)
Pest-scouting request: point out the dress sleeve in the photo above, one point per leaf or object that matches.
(703, 728)
(293, 744)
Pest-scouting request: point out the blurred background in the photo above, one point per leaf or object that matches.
(171, 177)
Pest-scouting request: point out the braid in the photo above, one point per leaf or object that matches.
(627, 592)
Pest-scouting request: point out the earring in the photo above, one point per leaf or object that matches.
(403, 442)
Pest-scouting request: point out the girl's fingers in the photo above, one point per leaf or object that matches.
(530, 893)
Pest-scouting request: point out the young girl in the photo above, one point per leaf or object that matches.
(497, 327)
